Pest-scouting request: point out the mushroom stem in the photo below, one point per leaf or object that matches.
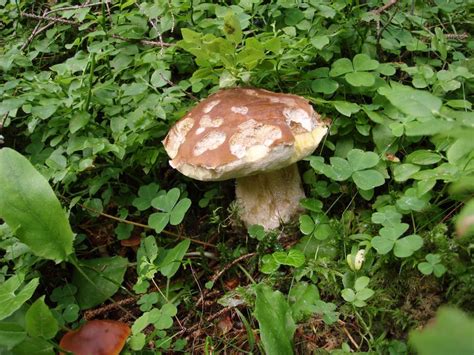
(271, 198)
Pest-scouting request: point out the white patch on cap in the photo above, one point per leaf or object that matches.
(210, 142)
(254, 138)
(207, 121)
(283, 100)
(240, 109)
(211, 105)
(177, 135)
(300, 116)
(200, 130)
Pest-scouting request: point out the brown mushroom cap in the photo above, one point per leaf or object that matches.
(96, 337)
(240, 132)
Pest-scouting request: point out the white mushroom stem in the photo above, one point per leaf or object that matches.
(271, 198)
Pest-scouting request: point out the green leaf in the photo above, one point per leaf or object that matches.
(158, 221)
(319, 42)
(78, 120)
(405, 247)
(364, 294)
(341, 66)
(166, 202)
(172, 260)
(423, 157)
(269, 264)
(293, 258)
(11, 334)
(387, 216)
(12, 297)
(362, 62)
(425, 268)
(450, 333)
(104, 277)
(368, 179)
(341, 170)
(39, 321)
(361, 283)
(403, 172)
(416, 103)
(276, 323)
(302, 299)
(346, 108)
(179, 211)
(360, 78)
(36, 346)
(348, 295)
(306, 224)
(31, 209)
(325, 85)
(382, 245)
(360, 160)
(232, 29)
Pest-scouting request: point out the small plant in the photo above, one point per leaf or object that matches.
(432, 265)
(359, 294)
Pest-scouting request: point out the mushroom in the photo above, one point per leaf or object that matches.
(255, 136)
(96, 337)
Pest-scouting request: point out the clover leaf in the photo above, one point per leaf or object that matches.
(173, 211)
(359, 294)
(146, 194)
(389, 239)
(432, 265)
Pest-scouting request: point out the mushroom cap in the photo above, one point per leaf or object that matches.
(240, 132)
(96, 337)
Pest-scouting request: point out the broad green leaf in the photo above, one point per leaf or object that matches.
(306, 224)
(346, 108)
(293, 258)
(179, 211)
(403, 172)
(348, 295)
(460, 148)
(427, 128)
(319, 42)
(423, 157)
(368, 179)
(39, 321)
(104, 277)
(425, 268)
(416, 103)
(36, 346)
(79, 120)
(232, 29)
(365, 294)
(450, 333)
(360, 160)
(325, 85)
(172, 260)
(302, 299)
(312, 204)
(11, 334)
(360, 78)
(166, 202)
(31, 209)
(382, 245)
(341, 66)
(362, 62)
(340, 168)
(269, 264)
(276, 323)
(158, 221)
(361, 283)
(387, 216)
(406, 246)
(12, 297)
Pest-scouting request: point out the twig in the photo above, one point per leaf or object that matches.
(385, 7)
(343, 325)
(93, 313)
(74, 7)
(218, 274)
(77, 24)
